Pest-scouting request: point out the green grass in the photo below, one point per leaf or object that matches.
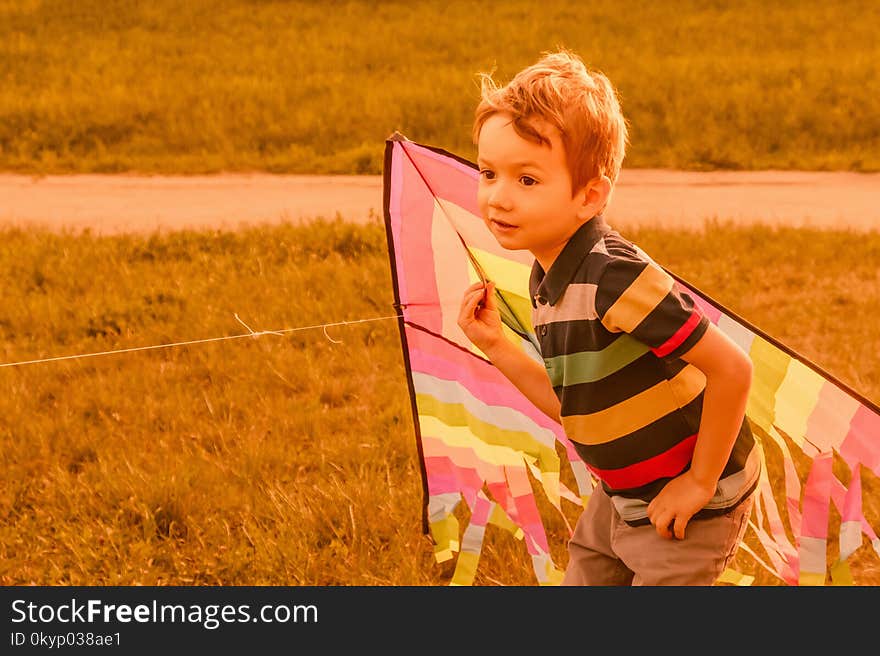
(302, 87)
(291, 460)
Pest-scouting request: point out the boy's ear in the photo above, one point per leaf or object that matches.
(593, 198)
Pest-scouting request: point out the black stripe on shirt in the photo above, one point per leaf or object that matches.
(636, 377)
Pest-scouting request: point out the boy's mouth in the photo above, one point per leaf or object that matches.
(501, 224)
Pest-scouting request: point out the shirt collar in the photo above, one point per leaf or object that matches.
(550, 285)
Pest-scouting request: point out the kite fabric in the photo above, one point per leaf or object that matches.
(482, 442)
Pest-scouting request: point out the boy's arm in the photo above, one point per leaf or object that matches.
(728, 372)
(481, 323)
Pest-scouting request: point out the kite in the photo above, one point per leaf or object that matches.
(482, 443)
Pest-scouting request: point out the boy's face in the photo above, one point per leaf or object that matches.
(524, 191)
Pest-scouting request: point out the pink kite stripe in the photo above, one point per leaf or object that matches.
(437, 358)
(501, 494)
(680, 335)
(669, 463)
(521, 511)
(828, 423)
(414, 250)
(817, 494)
(524, 500)
(840, 495)
(862, 443)
(464, 458)
(527, 511)
(481, 510)
(489, 392)
(774, 521)
(778, 552)
(852, 505)
(446, 160)
(783, 569)
(396, 216)
(444, 476)
(449, 179)
(792, 495)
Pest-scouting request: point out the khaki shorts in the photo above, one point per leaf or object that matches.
(605, 550)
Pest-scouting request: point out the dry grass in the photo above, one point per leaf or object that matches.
(291, 460)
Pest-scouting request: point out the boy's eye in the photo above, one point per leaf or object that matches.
(528, 181)
(486, 173)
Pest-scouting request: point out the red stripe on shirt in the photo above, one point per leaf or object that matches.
(680, 335)
(667, 464)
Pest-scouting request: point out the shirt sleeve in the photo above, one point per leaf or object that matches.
(638, 297)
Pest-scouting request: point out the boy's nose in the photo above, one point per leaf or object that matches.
(499, 198)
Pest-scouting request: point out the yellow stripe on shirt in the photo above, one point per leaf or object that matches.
(637, 411)
(637, 301)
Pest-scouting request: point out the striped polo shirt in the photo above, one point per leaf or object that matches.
(612, 326)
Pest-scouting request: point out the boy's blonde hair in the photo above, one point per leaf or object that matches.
(581, 104)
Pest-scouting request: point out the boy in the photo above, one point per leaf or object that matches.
(651, 394)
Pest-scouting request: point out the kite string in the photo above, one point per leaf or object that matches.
(251, 333)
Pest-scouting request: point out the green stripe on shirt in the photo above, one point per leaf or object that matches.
(590, 366)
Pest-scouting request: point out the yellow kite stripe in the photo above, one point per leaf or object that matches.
(506, 274)
(462, 437)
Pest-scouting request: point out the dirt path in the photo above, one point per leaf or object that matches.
(123, 203)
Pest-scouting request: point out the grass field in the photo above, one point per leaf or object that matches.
(304, 87)
(291, 460)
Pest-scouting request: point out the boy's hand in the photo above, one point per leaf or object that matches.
(677, 502)
(479, 318)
